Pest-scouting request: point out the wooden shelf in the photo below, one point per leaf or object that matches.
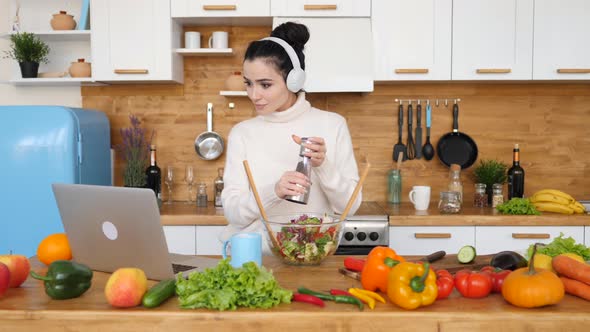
(57, 81)
(233, 93)
(57, 35)
(204, 51)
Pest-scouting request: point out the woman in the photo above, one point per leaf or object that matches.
(270, 141)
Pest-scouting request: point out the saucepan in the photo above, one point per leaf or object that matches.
(209, 145)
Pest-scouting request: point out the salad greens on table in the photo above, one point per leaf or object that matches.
(517, 205)
(307, 245)
(225, 287)
(561, 245)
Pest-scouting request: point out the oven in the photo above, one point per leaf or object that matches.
(365, 230)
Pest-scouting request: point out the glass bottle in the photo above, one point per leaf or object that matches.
(154, 176)
(202, 195)
(449, 202)
(303, 167)
(394, 180)
(218, 186)
(515, 175)
(480, 198)
(497, 196)
(455, 180)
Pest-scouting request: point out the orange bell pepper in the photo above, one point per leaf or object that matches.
(379, 262)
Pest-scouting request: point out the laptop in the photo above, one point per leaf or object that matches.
(113, 227)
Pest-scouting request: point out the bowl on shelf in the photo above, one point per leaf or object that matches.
(303, 238)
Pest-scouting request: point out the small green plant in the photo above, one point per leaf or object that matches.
(135, 151)
(27, 47)
(490, 171)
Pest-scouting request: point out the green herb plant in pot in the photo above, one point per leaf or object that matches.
(135, 151)
(29, 51)
(490, 171)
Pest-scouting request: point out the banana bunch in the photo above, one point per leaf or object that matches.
(551, 200)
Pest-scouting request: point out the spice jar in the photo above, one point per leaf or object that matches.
(480, 198)
(202, 195)
(497, 196)
(449, 202)
(394, 180)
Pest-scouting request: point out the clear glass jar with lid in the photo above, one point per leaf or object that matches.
(497, 195)
(480, 197)
(449, 202)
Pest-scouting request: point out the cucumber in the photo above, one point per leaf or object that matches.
(159, 293)
(466, 254)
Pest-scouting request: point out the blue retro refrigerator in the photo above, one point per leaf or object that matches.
(41, 145)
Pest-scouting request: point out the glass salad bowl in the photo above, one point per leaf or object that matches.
(303, 238)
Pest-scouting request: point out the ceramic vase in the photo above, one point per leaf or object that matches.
(80, 69)
(235, 82)
(63, 21)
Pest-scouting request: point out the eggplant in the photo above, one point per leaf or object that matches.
(508, 260)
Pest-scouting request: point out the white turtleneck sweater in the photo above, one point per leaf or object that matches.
(265, 141)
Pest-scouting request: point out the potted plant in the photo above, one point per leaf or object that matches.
(28, 50)
(490, 171)
(135, 151)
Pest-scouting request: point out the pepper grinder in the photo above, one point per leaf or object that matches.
(303, 167)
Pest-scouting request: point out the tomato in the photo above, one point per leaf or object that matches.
(497, 275)
(473, 284)
(445, 284)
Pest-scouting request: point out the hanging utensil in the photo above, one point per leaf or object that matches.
(428, 149)
(456, 147)
(209, 145)
(411, 145)
(400, 147)
(419, 131)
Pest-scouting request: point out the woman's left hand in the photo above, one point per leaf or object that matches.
(317, 146)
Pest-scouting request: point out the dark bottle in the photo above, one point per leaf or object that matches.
(154, 175)
(516, 176)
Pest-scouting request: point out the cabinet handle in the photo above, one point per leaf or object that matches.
(131, 71)
(432, 235)
(320, 7)
(411, 70)
(573, 71)
(530, 236)
(493, 70)
(220, 7)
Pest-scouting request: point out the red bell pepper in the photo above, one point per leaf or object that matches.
(473, 284)
(376, 270)
(354, 264)
(445, 284)
(498, 275)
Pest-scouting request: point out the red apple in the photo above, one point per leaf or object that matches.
(19, 268)
(4, 278)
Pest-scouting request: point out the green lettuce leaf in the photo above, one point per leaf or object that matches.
(561, 245)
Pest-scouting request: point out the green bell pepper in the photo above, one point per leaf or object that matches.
(65, 279)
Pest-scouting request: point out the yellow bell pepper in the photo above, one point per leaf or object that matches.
(412, 285)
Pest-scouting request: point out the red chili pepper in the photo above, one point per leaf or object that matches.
(498, 275)
(473, 284)
(354, 264)
(308, 299)
(339, 292)
(445, 284)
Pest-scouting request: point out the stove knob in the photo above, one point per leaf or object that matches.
(374, 236)
(361, 236)
(348, 236)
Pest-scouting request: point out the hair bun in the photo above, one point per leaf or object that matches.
(295, 34)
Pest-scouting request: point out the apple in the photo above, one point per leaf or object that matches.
(126, 287)
(19, 268)
(4, 278)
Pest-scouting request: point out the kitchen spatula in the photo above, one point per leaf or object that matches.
(400, 147)
(418, 131)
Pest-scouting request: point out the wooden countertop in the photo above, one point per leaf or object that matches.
(29, 309)
(180, 213)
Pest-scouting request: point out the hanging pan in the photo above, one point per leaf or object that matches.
(456, 147)
(209, 145)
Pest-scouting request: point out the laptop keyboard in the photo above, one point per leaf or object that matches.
(181, 268)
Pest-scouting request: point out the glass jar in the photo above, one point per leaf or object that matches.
(480, 197)
(449, 202)
(497, 195)
(455, 180)
(202, 195)
(394, 179)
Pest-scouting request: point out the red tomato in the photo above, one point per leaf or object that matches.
(444, 283)
(473, 284)
(497, 275)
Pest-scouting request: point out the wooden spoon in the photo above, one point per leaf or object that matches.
(355, 192)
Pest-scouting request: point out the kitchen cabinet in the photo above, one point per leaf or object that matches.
(561, 49)
(208, 240)
(181, 239)
(410, 240)
(492, 39)
(587, 236)
(132, 41)
(219, 8)
(321, 8)
(412, 39)
(338, 55)
(492, 239)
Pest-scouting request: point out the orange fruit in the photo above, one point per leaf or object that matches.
(54, 247)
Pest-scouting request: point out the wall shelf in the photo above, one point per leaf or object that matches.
(63, 81)
(204, 51)
(56, 35)
(233, 93)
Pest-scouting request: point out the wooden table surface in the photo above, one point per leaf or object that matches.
(29, 309)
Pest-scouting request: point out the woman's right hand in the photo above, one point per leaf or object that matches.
(292, 183)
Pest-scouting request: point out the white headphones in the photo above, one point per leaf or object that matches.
(296, 77)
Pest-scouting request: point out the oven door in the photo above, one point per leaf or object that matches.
(353, 250)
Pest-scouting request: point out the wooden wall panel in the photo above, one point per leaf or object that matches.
(548, 120)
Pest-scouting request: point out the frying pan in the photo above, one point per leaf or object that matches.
(209, 145)
(456, 147)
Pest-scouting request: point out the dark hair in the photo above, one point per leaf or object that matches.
(295, 34)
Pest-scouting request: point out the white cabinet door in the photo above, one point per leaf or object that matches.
(207, 240)
(338, 55)
(587, 236)
(132, 41)
(410, 240)
(220, 8)
(493, 239)
(181, 239)
(412, 39)
(321, 8)
(561, 42)
(492, 39)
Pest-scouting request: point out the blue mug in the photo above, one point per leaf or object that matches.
(245, 247)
